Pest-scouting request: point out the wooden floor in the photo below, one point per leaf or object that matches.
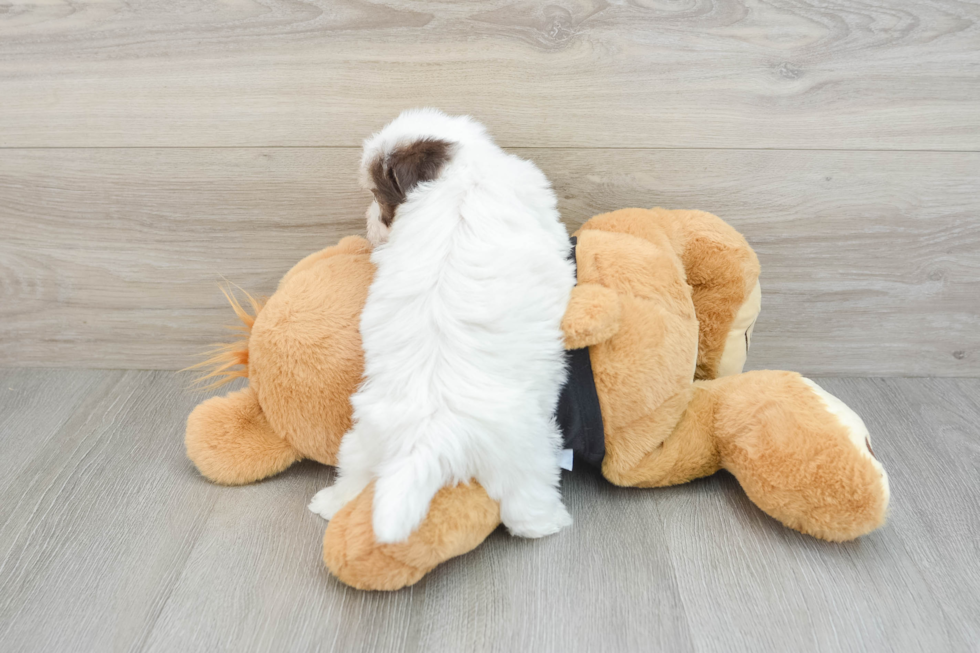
(111, 541)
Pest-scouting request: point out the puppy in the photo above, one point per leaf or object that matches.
(463, 349)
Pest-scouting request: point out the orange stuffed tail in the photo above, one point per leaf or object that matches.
(228, 361)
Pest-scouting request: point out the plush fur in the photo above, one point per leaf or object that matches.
(461, 331)
(652, 282)
(722, 271)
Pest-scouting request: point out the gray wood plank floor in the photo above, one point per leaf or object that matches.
(109, 540)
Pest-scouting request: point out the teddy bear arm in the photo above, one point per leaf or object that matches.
(592, 316)
(459, 519)
(230, 441)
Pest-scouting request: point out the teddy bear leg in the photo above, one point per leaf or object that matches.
(459, 518)
(800, 453)
(230, 441)
(672, 445)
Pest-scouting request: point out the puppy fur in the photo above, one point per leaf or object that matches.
(461, 330)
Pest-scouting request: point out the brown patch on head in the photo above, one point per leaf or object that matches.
(396, 175)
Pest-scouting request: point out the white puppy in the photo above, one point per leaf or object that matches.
(463, 348)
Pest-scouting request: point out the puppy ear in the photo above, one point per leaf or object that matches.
(396, 175)
(418, 162)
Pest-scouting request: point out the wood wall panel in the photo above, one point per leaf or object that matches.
(113, 257)
(699, 73)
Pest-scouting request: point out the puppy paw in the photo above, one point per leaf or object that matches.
(328, 501)
(540, 525)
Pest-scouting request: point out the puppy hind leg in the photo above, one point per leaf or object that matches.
(402, 495)
(328, 501)
(356, 469)
(530, 503)
(534, 510)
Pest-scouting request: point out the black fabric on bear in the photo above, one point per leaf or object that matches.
(578, 415)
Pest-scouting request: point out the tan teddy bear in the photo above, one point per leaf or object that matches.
(665, 303)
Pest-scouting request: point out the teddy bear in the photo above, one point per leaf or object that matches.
(661, 319)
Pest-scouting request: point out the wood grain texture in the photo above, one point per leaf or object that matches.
(884, 592)
(654, 73)
(28, 417)
(112, 258)
(933, 425)
(111, 541)
(98, 523)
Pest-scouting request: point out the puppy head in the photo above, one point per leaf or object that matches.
(396, 173)
(411, 150)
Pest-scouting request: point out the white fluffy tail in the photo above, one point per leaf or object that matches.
(402, 494)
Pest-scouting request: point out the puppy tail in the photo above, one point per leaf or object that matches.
(402, 496)
(225, 362)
